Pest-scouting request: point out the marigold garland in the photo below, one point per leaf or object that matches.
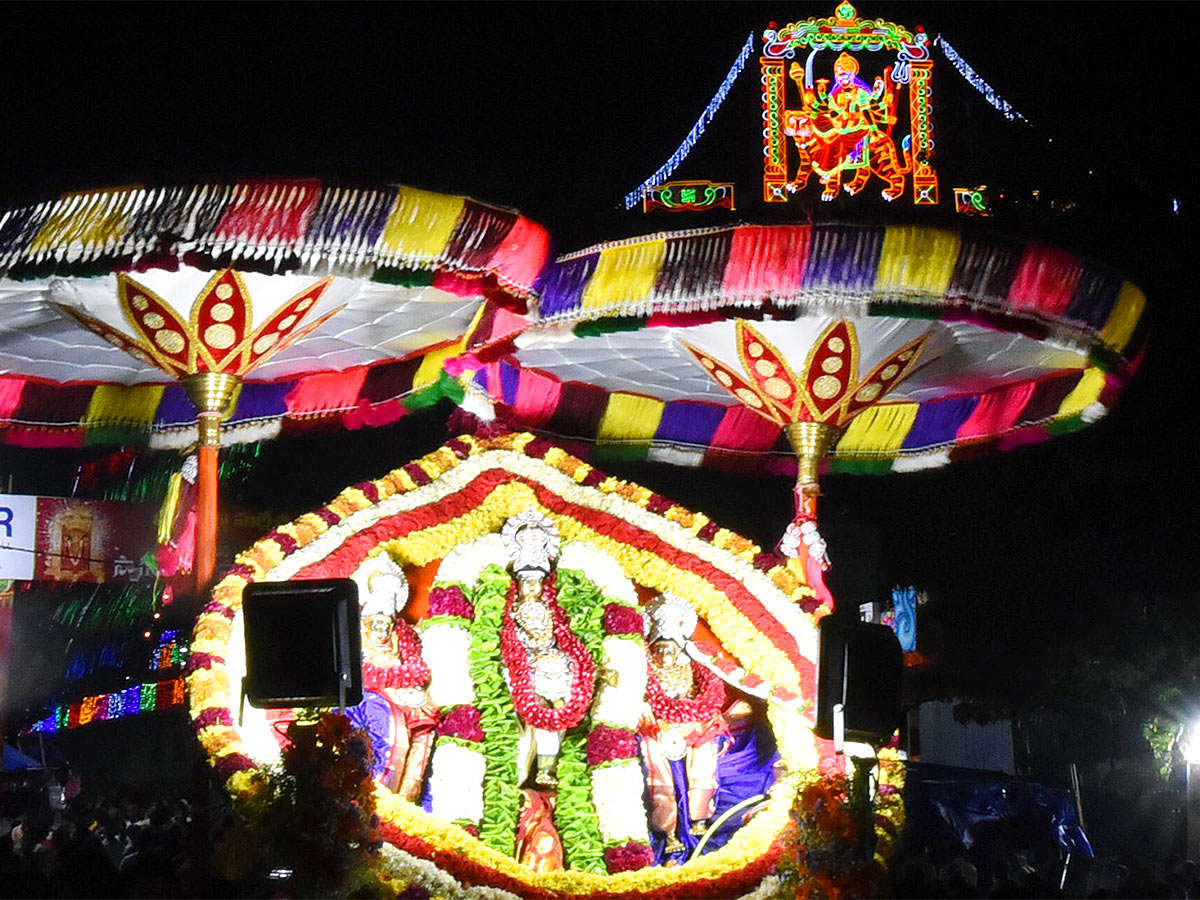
(745, 859)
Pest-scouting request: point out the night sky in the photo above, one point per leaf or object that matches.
(559, 110)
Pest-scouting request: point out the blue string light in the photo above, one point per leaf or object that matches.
(635, 196)
(972, 77)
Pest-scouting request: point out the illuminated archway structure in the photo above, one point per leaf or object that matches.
(755, 605)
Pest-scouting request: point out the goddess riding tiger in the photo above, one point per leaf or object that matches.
(847, 128)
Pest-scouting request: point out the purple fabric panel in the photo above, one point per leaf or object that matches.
(174, 408)
(19, 230)
(843, 260)
(1095, 295)
(358, 223)
(688, 422)
(510, 378)
(262, 401)
(374, 715)
(937, 422)
(563, 284)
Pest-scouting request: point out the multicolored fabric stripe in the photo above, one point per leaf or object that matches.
(389, 233)
(900, 436)
(35, 414)
(849, 270)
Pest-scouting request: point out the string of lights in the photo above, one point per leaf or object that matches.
(973, 78)
(634, 197)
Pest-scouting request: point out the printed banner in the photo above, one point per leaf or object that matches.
(80, 540)
(62, 539)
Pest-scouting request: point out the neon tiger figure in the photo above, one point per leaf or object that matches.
(847, 128)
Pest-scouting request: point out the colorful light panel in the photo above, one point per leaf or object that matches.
(836, 126)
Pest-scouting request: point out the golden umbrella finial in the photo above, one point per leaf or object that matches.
(209, 353)
(813, 409)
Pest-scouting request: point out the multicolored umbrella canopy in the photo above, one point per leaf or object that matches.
(782, 348)
(149, 316)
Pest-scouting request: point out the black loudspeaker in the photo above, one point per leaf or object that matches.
(860, 666)
(303, 646)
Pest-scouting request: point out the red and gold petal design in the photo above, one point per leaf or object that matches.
(742, 390)
(134, 348)
(167, 336)
(766, 365)
(283, 325)
(882, 379)
(831, 369)
(220, 320)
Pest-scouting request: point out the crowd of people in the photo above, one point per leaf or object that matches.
(58, 839)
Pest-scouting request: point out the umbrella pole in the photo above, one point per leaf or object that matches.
(810, 441)
(211, 393)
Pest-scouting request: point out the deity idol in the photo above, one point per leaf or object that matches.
(395, 710)
(538, 660)
(683, 730)
(549, 670)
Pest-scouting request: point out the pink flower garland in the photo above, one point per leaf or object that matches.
(526, 701)
(450, 601)
(462, 722)
(706, 704)
(410, 672)
(606, 743)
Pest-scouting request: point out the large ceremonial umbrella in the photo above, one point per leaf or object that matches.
(152, 316)
(792, 347)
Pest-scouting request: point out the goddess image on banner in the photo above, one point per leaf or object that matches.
(78, 540)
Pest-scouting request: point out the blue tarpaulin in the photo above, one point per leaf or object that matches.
(988, 815)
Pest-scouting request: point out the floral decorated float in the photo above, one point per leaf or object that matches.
(580, 688)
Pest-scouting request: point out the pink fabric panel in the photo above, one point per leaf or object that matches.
(766, 261)
(997, 411)
(44, 437)
(1045, 280)
(326, 392)
(537, 397)
(10, 395)
(742, 429)
(522, 253)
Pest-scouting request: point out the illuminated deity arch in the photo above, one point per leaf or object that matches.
(611, 551)
(837, 116)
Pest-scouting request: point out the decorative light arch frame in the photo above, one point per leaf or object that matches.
(844, 31)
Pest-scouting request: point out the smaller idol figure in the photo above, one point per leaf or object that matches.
(683, 730)
(395, 710)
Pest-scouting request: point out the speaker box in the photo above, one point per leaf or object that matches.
(860, 666)
(303, 645)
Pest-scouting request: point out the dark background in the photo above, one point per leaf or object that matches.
(559, 110)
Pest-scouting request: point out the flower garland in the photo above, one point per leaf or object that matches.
(520, 673)
(707, 703)
(410, 672)
(755, 603)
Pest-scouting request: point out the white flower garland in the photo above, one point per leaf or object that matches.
(621, 820)
(409, 869)
(456, 783)
(445, 647)
(620, 705)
